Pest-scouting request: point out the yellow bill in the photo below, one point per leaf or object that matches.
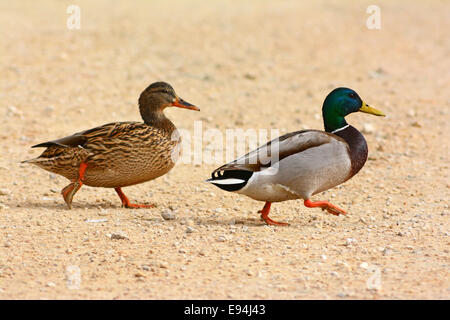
(368, 109)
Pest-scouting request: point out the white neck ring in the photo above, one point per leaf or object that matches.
(340, 129)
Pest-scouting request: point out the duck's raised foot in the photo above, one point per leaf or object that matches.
(127, 204)
(324, 205)
(69, 191)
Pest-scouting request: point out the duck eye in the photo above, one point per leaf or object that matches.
(352, 95)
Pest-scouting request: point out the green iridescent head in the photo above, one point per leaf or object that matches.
(341, 102)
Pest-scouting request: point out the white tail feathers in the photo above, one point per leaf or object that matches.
(228, 181)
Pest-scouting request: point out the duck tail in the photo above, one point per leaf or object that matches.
(230, 180)
(32, 161)
(40, 162)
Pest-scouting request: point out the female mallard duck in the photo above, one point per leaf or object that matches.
(300, 164)
(118, 154)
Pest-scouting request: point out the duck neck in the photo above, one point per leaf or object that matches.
(333, 123)
(157, 119)
(357, 145)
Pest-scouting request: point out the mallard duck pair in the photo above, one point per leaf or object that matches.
(122, 154)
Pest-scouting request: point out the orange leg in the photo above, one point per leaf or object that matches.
(325, 206)
(265, 216)
(69, 191)
(127, 204)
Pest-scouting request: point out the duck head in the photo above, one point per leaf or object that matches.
(341, 102)
(158, 96)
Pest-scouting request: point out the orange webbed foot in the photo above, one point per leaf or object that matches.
(69, 191)
(265, 216)
(127, 204)
(325, 205)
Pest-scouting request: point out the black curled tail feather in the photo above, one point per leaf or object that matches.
(230, 180)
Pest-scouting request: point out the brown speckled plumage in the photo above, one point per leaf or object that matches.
(120, 154)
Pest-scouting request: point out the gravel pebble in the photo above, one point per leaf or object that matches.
(364, 265)
(95, 220)
(4, 192)
(118, 236)
(190, 229)
(13, 111)
(48, 199)
(350, 242)
(168, 214)
(221, 239)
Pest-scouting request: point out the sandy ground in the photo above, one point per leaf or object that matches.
(252, 65)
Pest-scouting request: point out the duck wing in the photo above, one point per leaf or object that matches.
(81, 139)
(276, 150)
(76, 148)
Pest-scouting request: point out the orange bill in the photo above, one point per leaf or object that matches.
(180, 103)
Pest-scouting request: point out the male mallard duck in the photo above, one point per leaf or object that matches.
(300, 164)
(118, 154)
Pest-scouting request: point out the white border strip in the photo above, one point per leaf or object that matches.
(340, 129)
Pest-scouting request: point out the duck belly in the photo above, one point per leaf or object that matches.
(301, 175)
(130, 169)
(263, 187)
(125, 174)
